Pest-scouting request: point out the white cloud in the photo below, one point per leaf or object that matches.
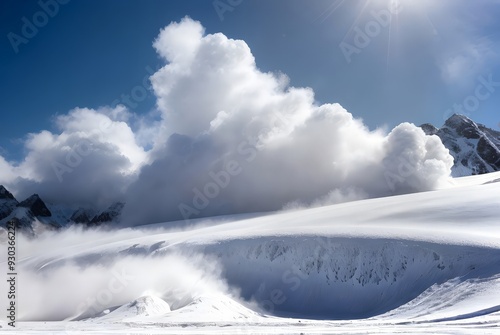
(76, 287)
(462, 63)
(105, 125)
(7, 173)
(414, 161)
(221, 111)
(231, 139)
(91, 161)
(178, 42)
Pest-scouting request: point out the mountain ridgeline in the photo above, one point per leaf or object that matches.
(33, 216)
(474, 147)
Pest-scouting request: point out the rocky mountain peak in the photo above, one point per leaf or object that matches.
(111, 214)
(82, 215)
(5, 194)
(33, 215)
(463, 126)
(36, 205)
(7, 202)
(474, 147)
(458, 119)
(429, 129)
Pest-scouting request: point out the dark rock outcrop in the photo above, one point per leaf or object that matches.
(36, 206)
(111, 214)
(7, 203)
(82, 215)
(474, 147)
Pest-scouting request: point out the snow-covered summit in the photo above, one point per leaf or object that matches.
(111, 214)
(7, 203)
(145, 306)
(82, 215)
(36, 206)
(474, 147)
(5, 194)
(34, 211)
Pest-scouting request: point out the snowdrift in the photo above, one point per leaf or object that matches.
(401, 264)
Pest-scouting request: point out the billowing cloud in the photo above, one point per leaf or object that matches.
(230, 139)
(240, 140)
(90, 162)
(75, 287)
(7, 173)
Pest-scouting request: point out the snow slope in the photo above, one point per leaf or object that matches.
(426, 262)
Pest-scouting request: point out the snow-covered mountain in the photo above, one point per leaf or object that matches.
(34, 216)
(7, 203)
(474, 147)
(111, 214)
(30, 215)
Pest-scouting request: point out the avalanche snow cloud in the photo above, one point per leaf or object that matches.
(229, 139)
(87, 284)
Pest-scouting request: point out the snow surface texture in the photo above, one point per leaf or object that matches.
(426, 262)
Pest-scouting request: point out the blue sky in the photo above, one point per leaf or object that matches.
(415, 69)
